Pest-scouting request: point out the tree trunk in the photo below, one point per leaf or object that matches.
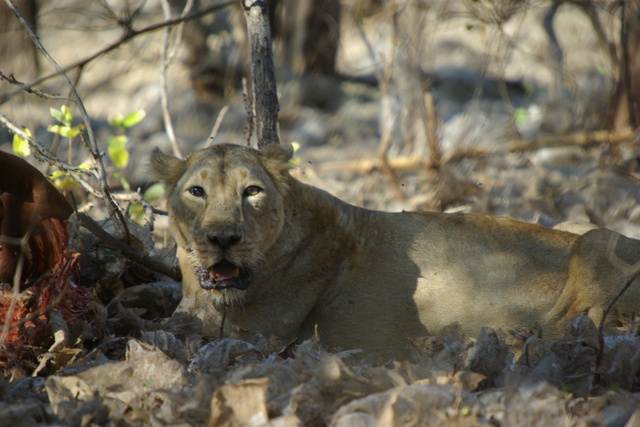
(308, 32)
(627, 97)
(265, 95)
(18, 54)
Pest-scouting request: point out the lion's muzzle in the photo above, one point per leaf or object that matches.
(224, 274)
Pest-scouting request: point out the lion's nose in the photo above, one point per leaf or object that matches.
(224, 241)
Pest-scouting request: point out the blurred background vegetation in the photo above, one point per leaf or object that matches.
(527, 108)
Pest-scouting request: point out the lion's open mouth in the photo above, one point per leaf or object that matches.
(224, 274)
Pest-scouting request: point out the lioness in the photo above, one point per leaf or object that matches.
(283, 257)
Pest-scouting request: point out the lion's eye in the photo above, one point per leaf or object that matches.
(252, 190)
(197, 191)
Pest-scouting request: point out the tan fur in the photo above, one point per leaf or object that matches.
(371, 279)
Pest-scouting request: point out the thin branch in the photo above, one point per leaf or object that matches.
(216, 126)
(383, 75)
(12, 80)
(55, 143)
(88, 223)
(164, 85)
(605, 313)
(44, 155)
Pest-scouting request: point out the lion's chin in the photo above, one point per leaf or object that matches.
(223, 275)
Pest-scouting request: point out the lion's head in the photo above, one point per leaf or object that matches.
(226, 209)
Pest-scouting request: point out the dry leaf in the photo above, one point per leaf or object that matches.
(242, 404)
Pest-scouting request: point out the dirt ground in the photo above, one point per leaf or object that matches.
(510, 144)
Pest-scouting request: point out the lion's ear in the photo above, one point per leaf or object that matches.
(165, 168)
(280, 152)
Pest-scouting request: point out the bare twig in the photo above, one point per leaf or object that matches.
(364, 166)
(605, 313)
(12, 80)
(431, 130)
(631, 270)
(166, 59)
(88, 223)
(55, 143)
(580, 139)
(385, 164)
(383, 75)
(216, 126)
(44, 155)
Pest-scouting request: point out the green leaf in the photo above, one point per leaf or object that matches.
(118, 151)
(133, 119)
(128, 121)
(57, 114)
(118, 141)
(66, 115)
(54, 128)
(63, 181)
(58, 174)
(119, 157)
(521, 116)
(116, 120)
(86, 165)
(153, 193)
(136, 212)
(125, 183)
(69, 132)
(295, 161)
(20, 145)
(63, 115)
(66, 131)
